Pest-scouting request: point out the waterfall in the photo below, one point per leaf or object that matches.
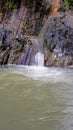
(39, 59)
(33, 54)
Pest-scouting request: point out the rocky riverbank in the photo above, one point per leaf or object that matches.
(54, 27)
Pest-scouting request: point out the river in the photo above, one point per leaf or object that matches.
(36, 98)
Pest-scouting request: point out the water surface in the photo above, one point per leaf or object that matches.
(36, 98)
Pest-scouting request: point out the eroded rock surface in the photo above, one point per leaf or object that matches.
(11, 47)
(59, 41)
(39, 19)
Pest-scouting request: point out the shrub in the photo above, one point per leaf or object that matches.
(68, 3)
(11, 5)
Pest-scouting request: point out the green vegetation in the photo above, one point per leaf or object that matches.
(68, 3)
(11, 5)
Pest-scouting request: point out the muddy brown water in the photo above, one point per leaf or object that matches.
(36, 98)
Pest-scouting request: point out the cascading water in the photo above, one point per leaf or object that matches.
(39, 59)
(33, 54)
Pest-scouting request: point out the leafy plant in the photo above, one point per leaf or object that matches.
(68, 3)
(10, 5)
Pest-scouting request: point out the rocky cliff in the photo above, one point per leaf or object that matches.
(44, 20)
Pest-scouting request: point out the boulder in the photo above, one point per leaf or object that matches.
(59, 41)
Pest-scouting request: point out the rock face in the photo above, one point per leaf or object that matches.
(18, 49)
(38, 19)
(59, 41)
(11, 47)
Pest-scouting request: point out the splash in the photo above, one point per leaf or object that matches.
(39, 59)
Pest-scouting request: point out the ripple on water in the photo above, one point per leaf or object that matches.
(36, 98)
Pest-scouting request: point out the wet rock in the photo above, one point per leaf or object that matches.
(4, 56)
(5, 36)
(36, 16)
(59, 42)
(15, 52)
(69, 20)
(10, 47)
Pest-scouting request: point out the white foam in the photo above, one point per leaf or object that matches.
(39, 59)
